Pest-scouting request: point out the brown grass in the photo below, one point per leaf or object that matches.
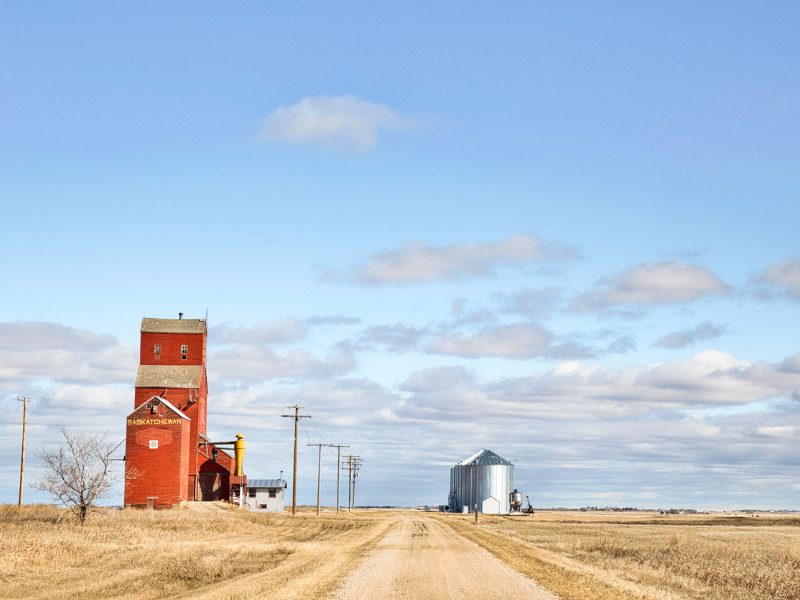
(605, 555)
(153, 554)
(227, 553)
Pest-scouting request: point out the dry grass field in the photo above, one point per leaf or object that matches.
(220, 552)
(646, 555)
(214, 553)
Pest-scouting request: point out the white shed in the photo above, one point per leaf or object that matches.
(265, 494)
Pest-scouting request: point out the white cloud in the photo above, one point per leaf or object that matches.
(520, 340)
(394, 338)
(38, 351)
(345, 122)
(73, 377)
(514, 340)
(700, 333)
(652, 283)
(37, 335)
(577, 390)
(653, 433)
(245, 362)
(95, 398)
(419, 263)
(622, 344)
(779, 279)
(277, 331)
(780, 431)
(531, 302)
(324, 320)
(459, 337)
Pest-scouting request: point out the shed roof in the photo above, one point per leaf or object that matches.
(169, 376)
(266, 483)
(485, 457)
(150, 325)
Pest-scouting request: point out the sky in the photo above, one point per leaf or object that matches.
(565, 232)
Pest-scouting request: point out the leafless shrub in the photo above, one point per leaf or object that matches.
(78, 473)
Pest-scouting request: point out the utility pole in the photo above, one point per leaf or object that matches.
(349, 478)
(338, 470)
(319, 469)
(296, 416)
(22, 459)
(353, 463)
(356, 467)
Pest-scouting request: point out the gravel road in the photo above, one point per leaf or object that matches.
(421, 558)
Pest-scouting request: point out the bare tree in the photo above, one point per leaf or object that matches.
(78, 473)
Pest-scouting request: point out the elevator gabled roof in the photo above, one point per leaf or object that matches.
(169, 376)
(150, 325)
(166, 403)
(485, 457)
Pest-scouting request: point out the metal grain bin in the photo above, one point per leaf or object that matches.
(485, 476)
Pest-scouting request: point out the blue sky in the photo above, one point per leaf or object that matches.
(563, 232)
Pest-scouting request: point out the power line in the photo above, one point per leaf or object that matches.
(314, 427)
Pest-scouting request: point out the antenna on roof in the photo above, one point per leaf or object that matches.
(180, 316)
(206, 319)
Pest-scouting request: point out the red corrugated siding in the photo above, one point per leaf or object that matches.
(161, 472)
(169, 472)
(171, 348)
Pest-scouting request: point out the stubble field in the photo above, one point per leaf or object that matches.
(645, 555)
(218, 552)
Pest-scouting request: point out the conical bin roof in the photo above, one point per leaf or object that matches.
(485, 457)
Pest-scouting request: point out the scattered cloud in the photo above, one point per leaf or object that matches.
(782, 431)
(699, 333)
(577, 390)
(531, 302)
(622, 345)
(782, 279)
(332, 320)
(421, 263)
(463, 314)
(517, 340)
(652, 283)
(345, 400)
(246, 362)
(393, 338)
(337, 122)
(711, 421)
(278, 331)
(438, 378)
(30, 336)
(40, 351)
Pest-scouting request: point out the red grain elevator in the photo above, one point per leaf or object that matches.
(168, 458)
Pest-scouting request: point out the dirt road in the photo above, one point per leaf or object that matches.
(422, 558)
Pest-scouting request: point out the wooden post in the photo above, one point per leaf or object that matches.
(296, 416)
(338, 472)
(22, 458)
(349, 485)
(319, 475)
(319, 470)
